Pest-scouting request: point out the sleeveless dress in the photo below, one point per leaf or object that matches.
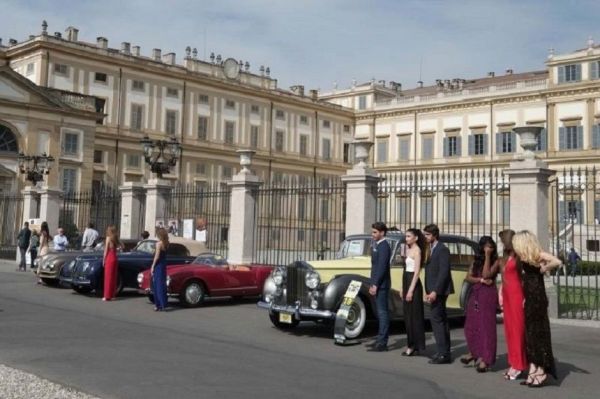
(480, 323)
(44, 247)
(414, 319)
(159, 281)
(537, 325)
(111, 273)
(514, 316)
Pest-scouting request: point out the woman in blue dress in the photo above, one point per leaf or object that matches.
(158, 271)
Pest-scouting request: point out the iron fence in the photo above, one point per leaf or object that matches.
(11, 209)
(299, 220)
(575, 238)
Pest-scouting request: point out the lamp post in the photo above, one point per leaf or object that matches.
(35, 166)
(161, 155)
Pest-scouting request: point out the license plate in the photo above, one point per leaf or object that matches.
(285, 318)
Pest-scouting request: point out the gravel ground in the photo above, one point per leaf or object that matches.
(16, 384)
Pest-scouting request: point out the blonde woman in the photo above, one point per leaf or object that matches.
(535, 263)
(158, 271)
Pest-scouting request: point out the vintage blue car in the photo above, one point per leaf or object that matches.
(86, 273)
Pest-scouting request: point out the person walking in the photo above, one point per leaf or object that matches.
(90, 236)
(438, 285)
(480, 323)
(60, 241)
(23, 243)
(111, 267)
(33, 246)
(511, 300)
(44, 247)
(573, 258)
(158, 270)
(538, 340)
(412, 293)
(381, 282)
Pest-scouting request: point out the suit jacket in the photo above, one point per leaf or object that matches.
(23, 238)
(438, 275)
(380, 265)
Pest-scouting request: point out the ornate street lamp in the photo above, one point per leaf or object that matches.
(35, 166)
(161, 155)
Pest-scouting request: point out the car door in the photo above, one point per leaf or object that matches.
(242, 279)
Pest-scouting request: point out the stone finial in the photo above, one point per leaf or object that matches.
(246, 161)
(44, 27)
(212, 57)
(247, 66)
(362, 148)
(219, 59)
(268, 71)
(551, 53)
(335, 85)
(262, 70)
(353, 83)
(188, 52)
(241, 64)
(195, 53)
(590, 42)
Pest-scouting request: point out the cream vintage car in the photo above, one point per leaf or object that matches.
(313, 290)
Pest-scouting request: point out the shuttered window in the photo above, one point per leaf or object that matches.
(569, 73)
(382, 151)
(478, 144)
(596, 136)
(137, 115)
(453, 209)
(229, 132)
(595, 70)
(254, 139)
(426, 210)
(326, 149)
(452, 146)
(303, 144)
(404, 149)
(202, 128)
(69, 180)
(279, 140)
(427, 148)
(170, 121)
(542, 141)
(506, 142)
(570, 137)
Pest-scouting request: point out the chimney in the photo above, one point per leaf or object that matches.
(102, 42)
(71, 33)
(509, 71)
(297, 89)
(135, 50)
(420, 84)
(156, 54)
(314, 94)
(491, 74)
(125, 47)
(169, 58)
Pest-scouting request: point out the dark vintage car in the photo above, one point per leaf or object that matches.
(314, 290)
(209, 275)
(87, 273)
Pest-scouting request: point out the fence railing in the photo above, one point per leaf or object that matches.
(11, 211)
(299, 220)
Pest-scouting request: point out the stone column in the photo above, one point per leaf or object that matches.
(132, 194)
(50, 202)
(157, 191)
(31, 202)
(361, 192)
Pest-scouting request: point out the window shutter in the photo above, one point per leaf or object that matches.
(562, 138)
(445, 147)
(513, 142)
(579, 137)
(594, 69)
(544, 140)
(471, 144)
(498, 143)
(578, 72)
(561, 74)
(459, 146)
(485, 143)
(596, 136)
(597, 209)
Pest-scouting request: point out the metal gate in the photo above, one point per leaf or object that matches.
(11, 209)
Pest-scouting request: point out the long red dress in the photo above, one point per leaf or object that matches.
(110, 273)
(514, 315)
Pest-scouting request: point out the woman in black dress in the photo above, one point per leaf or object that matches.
(535, 264)
(412, 293)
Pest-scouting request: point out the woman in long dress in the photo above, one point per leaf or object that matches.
(412, 293)
(44, 247)
(158, 271)
(111, 267)
(480, 323)
(536, 263)
(511, 300)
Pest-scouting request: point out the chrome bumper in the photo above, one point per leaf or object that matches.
(298, 311)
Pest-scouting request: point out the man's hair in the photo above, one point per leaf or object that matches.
(90, 225)
(145, 235)
(433, 230)
(380, 226)
(26, 224)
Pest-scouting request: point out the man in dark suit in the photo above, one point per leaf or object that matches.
(23, 239)
(381, 282)
(438, 285)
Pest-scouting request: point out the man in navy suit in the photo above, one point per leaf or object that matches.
(438, 285)
(381, 282)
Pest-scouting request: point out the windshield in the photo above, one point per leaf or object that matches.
(210, 259)
(359, 247)
(146, 246)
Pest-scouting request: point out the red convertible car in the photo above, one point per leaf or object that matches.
(209, 275)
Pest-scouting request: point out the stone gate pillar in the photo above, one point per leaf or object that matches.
(157, 191)
(31, 203)
(50, 202)
(132, 195)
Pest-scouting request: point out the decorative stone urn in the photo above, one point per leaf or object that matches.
(246, 160)
(528, 138)
(362, 149)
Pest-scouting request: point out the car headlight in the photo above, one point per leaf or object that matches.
(168, 280)
(278, 276)
(140, 278)
(86, 266)
(49, 266)
(312, 280)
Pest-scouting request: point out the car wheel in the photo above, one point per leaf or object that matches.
(81, 290)
(192, 294)
(50, 281)
(357, 318)
(274, 317)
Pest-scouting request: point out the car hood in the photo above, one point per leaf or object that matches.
(329, 268)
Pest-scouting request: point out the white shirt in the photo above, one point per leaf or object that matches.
(89, 238)
(60, 242)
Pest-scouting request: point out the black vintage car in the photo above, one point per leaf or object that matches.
(314, 290)
(86, 273)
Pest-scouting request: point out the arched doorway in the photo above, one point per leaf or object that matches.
(9, 149)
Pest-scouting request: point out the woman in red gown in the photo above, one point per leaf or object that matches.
(511, 299)
(110, 263)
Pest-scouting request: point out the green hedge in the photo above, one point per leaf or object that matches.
(584, 268)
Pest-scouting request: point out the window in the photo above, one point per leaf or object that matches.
(229, 132)
(570, 137)
(279, 114)
(100, 77)
(347, 152)
(452, 146)
(71, 144)
(230, 104)
(200, 168)
(137, 115)
(504, 209)
(326, 149)
(478, 209)
(202, 128)
(427, 150)
(69, 180)
(595, 70)
(301, 208)
(324, 209)
(596, 136)
(254, 109)
(133, 161)
(98, 156)
(138, 85)
(326, 124)
(254, 137)
(61, 69)
(227, 172)
(279, 140)
(172, 92)
(203, 99)
(301, 235)
(542, 141)
(506, 142)
(404, 150)
(453, 208)
(346, 128)
(382, 151)
(303, 144)
(303, 120)
(30, 68)
(426, 209)
(402, 208)
(171, 121)
(478, 144)
(362, 102)
(569, 73)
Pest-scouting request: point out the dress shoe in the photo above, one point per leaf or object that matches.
(443, 359)
(378, 348)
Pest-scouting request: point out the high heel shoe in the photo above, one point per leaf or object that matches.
(467, 360)
(538, 382)
(481, 369)
(410, 352)
(511, 376)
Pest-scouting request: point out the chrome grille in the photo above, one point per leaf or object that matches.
(295, 285)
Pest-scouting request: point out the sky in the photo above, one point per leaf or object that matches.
(319, 42)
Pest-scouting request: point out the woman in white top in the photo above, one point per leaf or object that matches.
(44, 246)
(412, 293)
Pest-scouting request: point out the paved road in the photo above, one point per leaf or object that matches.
(229, 349)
